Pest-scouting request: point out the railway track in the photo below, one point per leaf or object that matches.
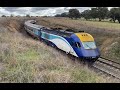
(108, 66)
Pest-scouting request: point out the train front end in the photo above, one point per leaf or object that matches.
(85, 46)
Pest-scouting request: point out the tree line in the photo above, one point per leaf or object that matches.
(14, 16)
(98, 12)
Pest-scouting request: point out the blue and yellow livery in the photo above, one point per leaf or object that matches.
(86, 46)
(80, 44)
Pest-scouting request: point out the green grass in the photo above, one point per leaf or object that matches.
(83, 76)
(28, 55)
(115, 51)
(102, 24)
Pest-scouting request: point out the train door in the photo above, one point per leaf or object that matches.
(75, 47)
(39, 34)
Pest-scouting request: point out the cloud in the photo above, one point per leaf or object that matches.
(11, 9)
(18, 10)
(3, 11)
(41, 8)
(39, 11)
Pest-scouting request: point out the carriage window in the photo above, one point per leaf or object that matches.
(32, 30)
(46, 36)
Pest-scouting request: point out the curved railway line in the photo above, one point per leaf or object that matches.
(107, 66)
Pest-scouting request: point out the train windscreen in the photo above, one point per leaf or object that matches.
(89, 45)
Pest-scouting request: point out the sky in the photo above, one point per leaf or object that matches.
(38, 11)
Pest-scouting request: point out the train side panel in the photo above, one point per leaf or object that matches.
(60, 42)
(33, 31)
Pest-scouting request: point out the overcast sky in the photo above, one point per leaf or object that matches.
(38, 11)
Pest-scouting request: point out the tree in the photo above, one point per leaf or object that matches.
(18, 16)
(27, 15)
(74, 13)
(57, 15)
(64, 14)
(102, 12)
(94, 13)
(86, 14)
(3, 16)
(99, 12)
(11, 15)
(115, 14)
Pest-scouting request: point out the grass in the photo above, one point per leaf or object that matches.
(114, 50)
(26, 60)
(102, 24)
(74, 23)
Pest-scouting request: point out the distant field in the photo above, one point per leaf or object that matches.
(103, 24)
(91, 23)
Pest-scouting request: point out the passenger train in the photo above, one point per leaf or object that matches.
(78, 44)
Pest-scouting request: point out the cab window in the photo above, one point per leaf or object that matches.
(77, 44)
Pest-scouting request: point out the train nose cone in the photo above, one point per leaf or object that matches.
(90, 53)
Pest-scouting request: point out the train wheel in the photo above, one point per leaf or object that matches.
(48, 43)
(53, 45)
(67, 52)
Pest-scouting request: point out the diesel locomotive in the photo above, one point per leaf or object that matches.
(78, 44)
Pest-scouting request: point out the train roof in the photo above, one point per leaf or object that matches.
(31, 23)
(62, 32)
(59, 32)
(56, 31)
(84, 37)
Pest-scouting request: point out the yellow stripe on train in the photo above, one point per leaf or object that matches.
(84, 37)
